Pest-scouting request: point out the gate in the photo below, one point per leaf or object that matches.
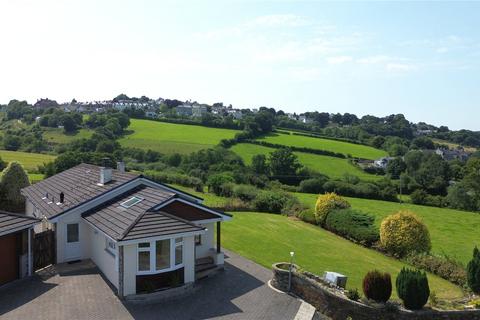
(43, 249)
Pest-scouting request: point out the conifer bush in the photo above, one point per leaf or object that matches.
(326, 203)
(412, 288)
(473, 272)
(403, 233)
(377, 286)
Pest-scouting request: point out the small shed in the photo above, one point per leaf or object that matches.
(15, 246)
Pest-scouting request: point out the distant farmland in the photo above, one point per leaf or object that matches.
(355, 150)
(329, 166)
(30, 161)
(168, 138)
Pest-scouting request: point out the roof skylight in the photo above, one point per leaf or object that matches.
(131, 202)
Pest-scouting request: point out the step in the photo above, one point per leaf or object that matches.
(204, 261)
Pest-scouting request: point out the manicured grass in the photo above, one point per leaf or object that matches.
(267, 238)
(452, 232)
(30, 161)
(56, 135)
(329, 166)
(355, 150)
(170, 138)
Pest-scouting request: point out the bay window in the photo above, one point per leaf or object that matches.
(160, 256)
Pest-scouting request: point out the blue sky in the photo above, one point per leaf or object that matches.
(420, 59)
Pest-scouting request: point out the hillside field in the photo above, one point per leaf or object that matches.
(168, 138)
(55, 135)
(268, 238)
(30, 161)
(453, 233)
(355, 150)
(329, 166)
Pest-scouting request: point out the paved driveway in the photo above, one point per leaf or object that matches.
(240, 292)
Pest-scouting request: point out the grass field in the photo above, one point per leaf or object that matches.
(452, 145)
(55, 135)
(330, 166)
(267, 238)
(169, 138)
(453, 233)
(29, 161)
(356, 150)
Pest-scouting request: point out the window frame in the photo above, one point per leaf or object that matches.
(152, 250)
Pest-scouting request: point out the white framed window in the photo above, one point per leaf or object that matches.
(110, 246)
(159, 256)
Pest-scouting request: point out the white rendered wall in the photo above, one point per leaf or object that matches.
(104, 260)
(208, 240)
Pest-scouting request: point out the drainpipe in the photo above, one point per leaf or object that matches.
(120, 271)
(218, 237)
(29, 252)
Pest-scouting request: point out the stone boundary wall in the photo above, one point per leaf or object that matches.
(333, 303)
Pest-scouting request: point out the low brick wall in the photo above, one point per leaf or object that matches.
(333, 303)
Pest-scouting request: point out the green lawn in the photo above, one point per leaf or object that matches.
(56, 135)
(356, 150)
(452, 232)
(267, 238)
(30, 161)
(169, 138)
(330, 166)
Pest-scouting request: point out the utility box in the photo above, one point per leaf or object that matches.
(335, 278)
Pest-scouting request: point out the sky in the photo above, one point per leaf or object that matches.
(421, 59)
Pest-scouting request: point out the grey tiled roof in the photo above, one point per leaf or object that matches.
(137, 221)
(79, 184)
(10, 222)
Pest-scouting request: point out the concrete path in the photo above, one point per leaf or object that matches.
(239, 292)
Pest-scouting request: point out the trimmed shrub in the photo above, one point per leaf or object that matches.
(245, 192)
(327, 203)
(307, 216)
(412, 288)
(473, 272)
(354, 225)
(13, 179)
(270, 201)
(443, 267)
(403, 233)
(377, 286)
(216, 181)
(314, 185)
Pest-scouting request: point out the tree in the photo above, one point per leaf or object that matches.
(326, 203)
(3, 164)
(284, 164)
(259, 164)
(14, 178)
(422, 143)
(12, 142)
(473, 272)
(68, 123)
(396, 167)
(459, 197)
(377, 286)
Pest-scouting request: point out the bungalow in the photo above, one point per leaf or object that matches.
(15, 246)
(382, 162)
(142, 235)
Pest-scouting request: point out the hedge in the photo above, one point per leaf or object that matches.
(353, 225)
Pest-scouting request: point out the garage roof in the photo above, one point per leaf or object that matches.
(13, 222)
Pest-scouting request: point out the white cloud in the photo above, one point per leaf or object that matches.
(400, 67)
(339, 59)
(278, 20)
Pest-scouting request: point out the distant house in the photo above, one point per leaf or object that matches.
(420, 133)
(184, 110)
(151, 114)
(455, 154)
(235, 113)
(304, 119)
(382, 162)
(198, 111)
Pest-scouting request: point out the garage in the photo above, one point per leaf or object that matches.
(15, 246)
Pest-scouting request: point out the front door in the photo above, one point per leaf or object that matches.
(72, 249)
